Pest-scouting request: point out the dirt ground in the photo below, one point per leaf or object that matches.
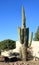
(31, 62)
(20, 63)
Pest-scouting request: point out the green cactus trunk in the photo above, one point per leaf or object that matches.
(24, 53)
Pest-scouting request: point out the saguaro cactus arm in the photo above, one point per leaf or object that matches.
(19, 33)
(30, 39)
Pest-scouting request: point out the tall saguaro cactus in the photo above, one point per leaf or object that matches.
(24, 36)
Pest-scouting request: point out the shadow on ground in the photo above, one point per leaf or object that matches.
(12, 59)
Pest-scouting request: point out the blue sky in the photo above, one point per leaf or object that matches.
(11, 17)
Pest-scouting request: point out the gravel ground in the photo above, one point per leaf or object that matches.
(20, 63)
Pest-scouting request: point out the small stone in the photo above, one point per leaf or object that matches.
(27, 64)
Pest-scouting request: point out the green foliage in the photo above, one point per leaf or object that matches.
(36, 38)
(7, 44)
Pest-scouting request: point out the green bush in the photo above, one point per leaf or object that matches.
(7, 44)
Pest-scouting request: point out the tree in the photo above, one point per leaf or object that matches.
(36, 38)
(7, 44)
